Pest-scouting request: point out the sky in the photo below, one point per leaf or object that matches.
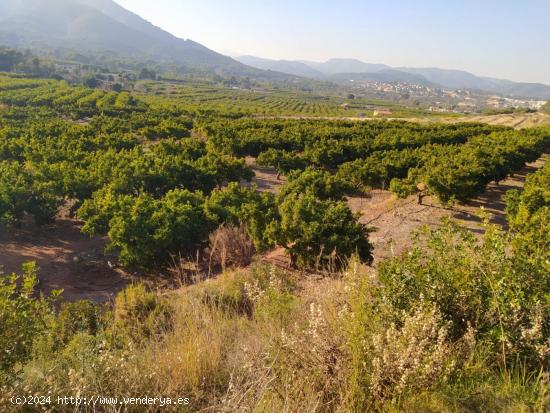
(507, 39)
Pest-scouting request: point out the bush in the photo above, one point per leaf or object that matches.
(140, 313)
(489, 287)
(78, 317)
(148, 231)
(320, 233)
(230, 245)
(23, 193)
(22, 316)
(237, 205)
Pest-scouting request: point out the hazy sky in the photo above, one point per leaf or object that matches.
(499, 38)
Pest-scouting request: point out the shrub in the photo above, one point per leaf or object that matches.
(230, 245)
(320, 233)
(237, 205)
(140, 313)
(147, 231)
(77, 317)
(22, 317)
(491, 288)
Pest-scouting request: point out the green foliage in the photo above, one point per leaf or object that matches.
(23, 192)
(90, 81)
(460, 173)
(533, 200)
(329, 143)
(546, 108)
(319, 232)
(147, 231)
(316, 227)
(487, 287)
(23, 317)
(15, 60)
(320, 184)
(9, 58)
(238, 205)
(76, 318)
(529, 219)
(283, 161)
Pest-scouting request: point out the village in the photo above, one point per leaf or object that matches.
(443, 100)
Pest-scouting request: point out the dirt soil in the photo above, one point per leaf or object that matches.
(265, 178)
(393, 220)
(67, 259)
(515, 120)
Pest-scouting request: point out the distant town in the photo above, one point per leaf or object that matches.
(442, 100)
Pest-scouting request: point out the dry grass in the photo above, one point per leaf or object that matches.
(230, 246)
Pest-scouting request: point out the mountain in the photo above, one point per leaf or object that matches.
(384, 75)
(343, 70)
(335, 66)
(91, 26)
(286, 66)
(312, 69)
(458, 79)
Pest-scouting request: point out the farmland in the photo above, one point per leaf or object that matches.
(261, 101)
(206, 237)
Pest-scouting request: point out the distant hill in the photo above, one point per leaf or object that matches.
(458, 79)
(89, 26)
(385, 75)
(285, 66)
(347, 69)
(335, 66)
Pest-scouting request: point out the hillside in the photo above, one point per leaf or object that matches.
(90, 26)
(346, 69)
(459, 79)
(385, 75)
(232, 297)
(285, 66)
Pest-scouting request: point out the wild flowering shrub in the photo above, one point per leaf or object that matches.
(488, 285)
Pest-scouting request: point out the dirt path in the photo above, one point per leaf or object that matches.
(67, 260)
(265, 178)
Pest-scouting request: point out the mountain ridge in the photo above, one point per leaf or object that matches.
(348, 69)
(104, 26)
